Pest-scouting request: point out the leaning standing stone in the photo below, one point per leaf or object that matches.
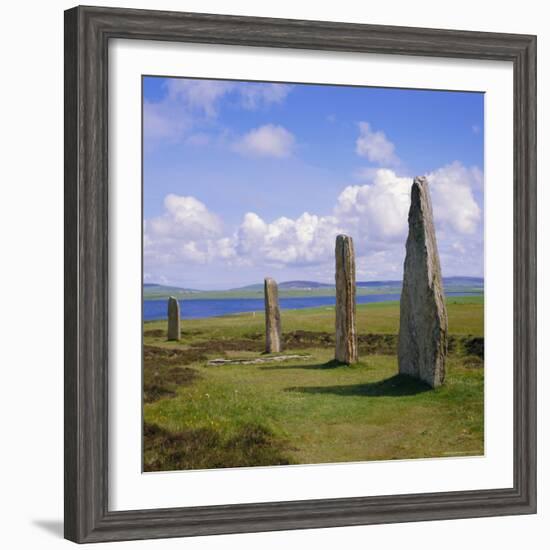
(272, 317)
(173, 319)
(423, 325)
(346, 335)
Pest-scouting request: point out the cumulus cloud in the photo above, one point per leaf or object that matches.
(266, 141)
(374, 213)
(378, 209)
(452, 197)
(186, 231)
(185, 216)
(375, 146)
(306, 240)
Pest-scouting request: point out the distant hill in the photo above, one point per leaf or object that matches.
(151, 290)
(447, 282)
(254, 287)
(304, 285)
(304, 288)
(297, 285)
(288, 285)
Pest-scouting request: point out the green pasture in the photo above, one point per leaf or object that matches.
(306, 410)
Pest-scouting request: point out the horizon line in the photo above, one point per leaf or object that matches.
(178, 285)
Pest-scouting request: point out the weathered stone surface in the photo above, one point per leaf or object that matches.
(422, 346)
(173, 319)
(273, 335)
(346, 334)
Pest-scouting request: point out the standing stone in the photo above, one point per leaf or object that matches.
(423, 317)
(273, 336)
(173, 319)
(346, 335)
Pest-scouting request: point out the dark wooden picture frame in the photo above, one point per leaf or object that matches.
(87, 34)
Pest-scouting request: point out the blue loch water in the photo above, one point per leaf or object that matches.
(196, 309)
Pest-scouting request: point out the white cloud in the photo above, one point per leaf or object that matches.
(164, 121)
(251, 233)
(187, 217)
(257, 95)
(266, 141)
(309, 239)
(375, 146)
(200, 95)
(186, 231)
(374, 214)
(205, 95)
(452, 197)
(191, 103)
(378, 210)
(223, 248)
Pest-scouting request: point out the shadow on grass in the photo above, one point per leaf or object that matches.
(321, 366)
(396, 386)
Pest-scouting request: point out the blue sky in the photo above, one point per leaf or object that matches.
(244, 180)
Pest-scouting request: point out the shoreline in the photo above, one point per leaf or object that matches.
(479, 298)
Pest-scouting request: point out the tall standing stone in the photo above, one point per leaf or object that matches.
(346, 335)
(423, 324)
(273, 335)
(173, 319)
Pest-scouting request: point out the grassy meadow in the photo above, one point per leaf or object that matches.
(308, 409)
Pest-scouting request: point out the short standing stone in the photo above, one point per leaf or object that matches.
(173, 319)
(422, 347)
(346, 335)
(273, 334)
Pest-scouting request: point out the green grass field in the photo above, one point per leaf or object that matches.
(306, 410)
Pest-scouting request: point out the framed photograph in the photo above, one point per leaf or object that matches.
(300, 274)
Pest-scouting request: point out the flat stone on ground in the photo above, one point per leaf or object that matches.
(257, 360)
